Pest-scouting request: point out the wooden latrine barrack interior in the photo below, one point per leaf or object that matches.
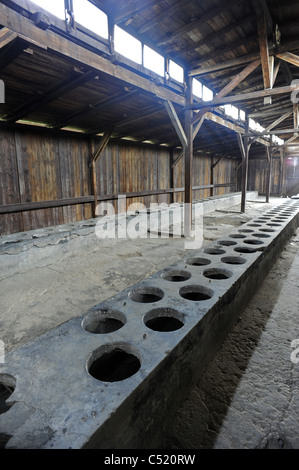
(81, 123)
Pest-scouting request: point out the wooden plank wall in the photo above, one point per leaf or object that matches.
(36, 165)
(257, 171)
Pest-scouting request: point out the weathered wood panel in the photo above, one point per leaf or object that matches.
(39, 166)
(257, 175)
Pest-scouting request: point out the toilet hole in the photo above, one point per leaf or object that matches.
(198, 261)
(261, 235)
(233, 260)
(214, 251)
(237, 235)
(113, 363)
(164, 320)
(226, 242)
(103, 321)
(244, 249)
(7, 387)
(146, 295)
(176, 275)
(253, 242)
(196, 293)
(217, 274)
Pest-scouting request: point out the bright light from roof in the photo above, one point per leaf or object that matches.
(197, 88)
(176, 72)
(56, 7)
(90, 17)
(207, 94)
(153, 61)
(127, 45)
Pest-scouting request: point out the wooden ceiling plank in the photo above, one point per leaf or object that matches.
(126, 13)
(166, 13)
(65, 86)
(218, 34)
(201, 21)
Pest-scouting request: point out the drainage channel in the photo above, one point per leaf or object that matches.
(114, 377)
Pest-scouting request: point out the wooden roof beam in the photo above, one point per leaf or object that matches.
(230, 86)
(245, 97)
(289, 57)
(6, 36)
(64, 47)
(296, 118)
(176, 123)
(267, 62)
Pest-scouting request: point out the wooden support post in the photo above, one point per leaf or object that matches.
(94, 187)
(172, 175)
(188, 160)
(212, 176)
(245, 167)
(92, 166)
(282, 171)
(269, 173)
(296, 118)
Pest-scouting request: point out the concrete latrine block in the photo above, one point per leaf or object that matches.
(114, 377)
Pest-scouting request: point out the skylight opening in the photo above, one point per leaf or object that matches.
(153, 61)
(242, 115)
(91, 17)
(197, 88)
(176, 72)
(127, 45)
(55, 7)
(207, 94)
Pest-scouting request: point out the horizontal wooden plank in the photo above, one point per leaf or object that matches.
(30, 206)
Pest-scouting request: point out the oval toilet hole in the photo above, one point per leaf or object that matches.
(253, 242)
(244, 249)
(246, 230)
(273, 225)
(7, 387)
(217, 274)
(226, 243)
(266, 230)
(176, 275)
(198, 261)
(254, 225)
(103, 321)
(214, 251)
(233, 260)
(237, 235)
(164, 320)
(113, 363)
(261, 235)
(146, 295)
(196, 293)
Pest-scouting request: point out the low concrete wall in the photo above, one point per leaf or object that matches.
(113, 378)
(22, 251)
